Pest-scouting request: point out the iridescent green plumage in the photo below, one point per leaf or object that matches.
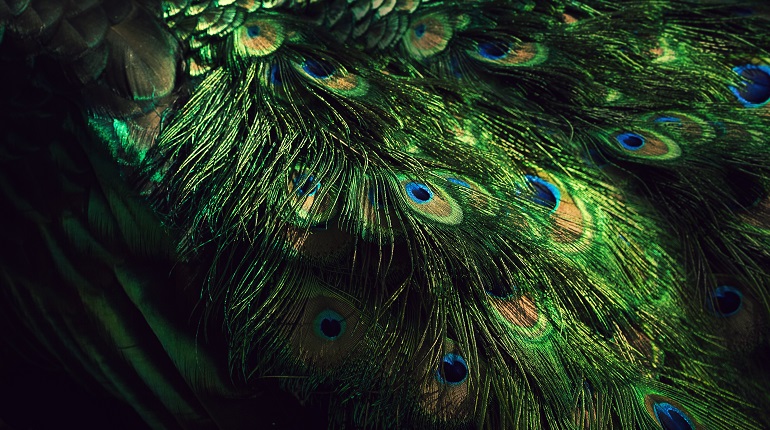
(488, 214)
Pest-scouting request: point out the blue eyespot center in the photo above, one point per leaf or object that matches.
(306, 185)
(253, 31)
(459, 182)
(318, 69)
(671, 418)
(330, 325)
(630, 141)
(376, 197)
(494, 50)
(331, 328)
(546, 194)
(502, 292)
(726, 301)
(668, 119)
(275, 75)
(756, 91)
(418, 193)
(453, 370)
(419, 30)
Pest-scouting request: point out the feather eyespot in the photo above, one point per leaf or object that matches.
(505, 53)
(329, 325)
(671, 418)
(756, 89)
(494, 50)
(332, 77)
(324, 332)
(453, 369)
(668, 413)
(446, 394)
(432, 202)
(308, 203)
(418, 193)
(631, 141)
(305, 185)
(318, 69)
(428, 36)
(726, 301)
(741, 326)
(546, 194)
(258, 38)
(646, 144)
(570, 215)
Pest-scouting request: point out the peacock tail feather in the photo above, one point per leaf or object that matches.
(389, 213)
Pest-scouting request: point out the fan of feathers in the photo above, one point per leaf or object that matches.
(387, 213)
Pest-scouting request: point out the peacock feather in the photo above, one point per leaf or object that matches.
(386, 214)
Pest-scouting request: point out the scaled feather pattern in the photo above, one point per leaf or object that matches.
(385, 214)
